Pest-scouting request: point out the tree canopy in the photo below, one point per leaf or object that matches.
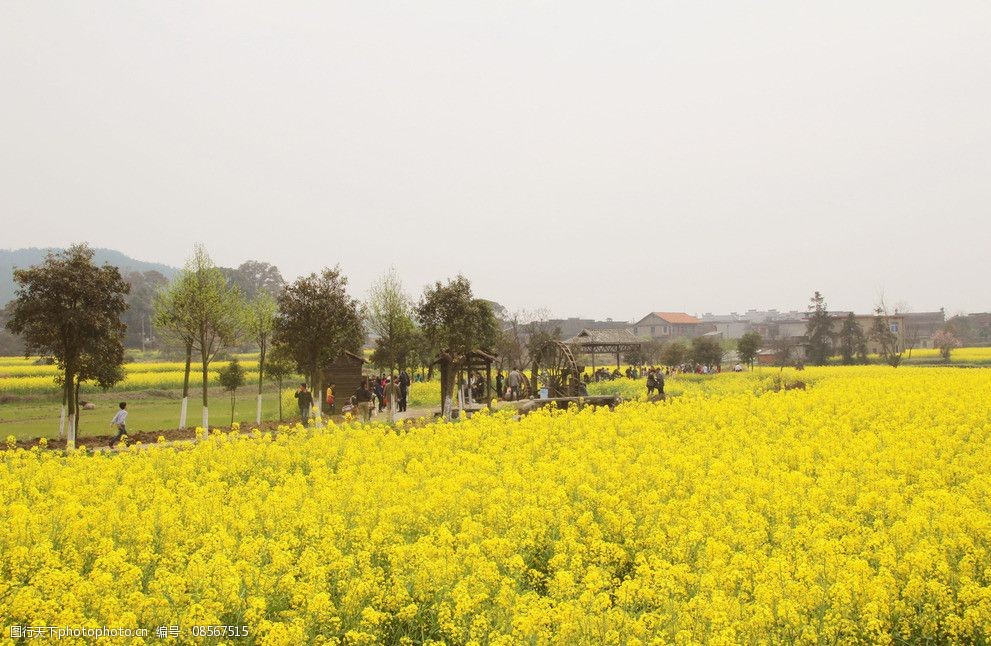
(389, 314)
(747, 347)
(819, 330)
(853, 343)
(70, 309)
(453, 319)
(317, 321)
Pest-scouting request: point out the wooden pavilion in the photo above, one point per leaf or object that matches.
(609, 342)
(454, 369)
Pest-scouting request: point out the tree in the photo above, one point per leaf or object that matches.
(260, 323)
(635, 357)
(674, 354)
(706, 351)
(509, 346)
(215, 309)
(389, 313)
(454, 322)
(522, 335)
(253, 278)
(452, 318)
(175, 321)
(882, 334)
(945, 342)
(853, 343)
(783, 348)
(279, 367)
(538, 333)
(232, 378)
(747, 347)
(819, 330)
(141, 306)
(653, 350)
(69, 308)
(316, 322)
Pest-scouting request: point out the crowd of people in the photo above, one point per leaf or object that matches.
(381, 390)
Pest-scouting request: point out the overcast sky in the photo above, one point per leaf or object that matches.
(596, 159)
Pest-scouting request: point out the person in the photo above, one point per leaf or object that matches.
(514, 382)
(363, 397)
(737, 368)
(120, 421)
(330, 397)
(403, 390)
(379, 389)
(659, 384)
(305, 401)
(479, 387)
(392, 393)
(650, 383)
(500, 384)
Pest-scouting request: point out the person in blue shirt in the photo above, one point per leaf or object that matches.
(120, 421)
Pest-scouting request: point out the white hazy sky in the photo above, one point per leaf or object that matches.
(602, 159)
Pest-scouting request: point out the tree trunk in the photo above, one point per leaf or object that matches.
(185, 385)
(75, 401)
(261, 375)
(68, 387)
(206, 376)
(232, 407)
(61, 421)
(280, 400)
(446, 369)
(317, 411)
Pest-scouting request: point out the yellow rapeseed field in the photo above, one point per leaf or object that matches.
(855, 510)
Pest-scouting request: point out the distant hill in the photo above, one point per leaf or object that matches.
(21, 258)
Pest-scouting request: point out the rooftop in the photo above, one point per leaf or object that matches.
(677, 317)
(610, 335)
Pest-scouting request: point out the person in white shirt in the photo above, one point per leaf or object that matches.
(120, 421)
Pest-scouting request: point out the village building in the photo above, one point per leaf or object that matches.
(921, 326)
(664, 326)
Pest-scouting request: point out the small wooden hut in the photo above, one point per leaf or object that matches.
(344, 374)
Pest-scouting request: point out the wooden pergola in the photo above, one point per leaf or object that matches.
(454, 366)
(610, 342)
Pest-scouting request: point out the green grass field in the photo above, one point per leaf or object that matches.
(34, 418)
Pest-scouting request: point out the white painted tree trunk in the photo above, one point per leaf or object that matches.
(182, 412)
(61, 423)
(70, 439)
(447, 408)
(206, 418)
(258, 411)
(392, 406)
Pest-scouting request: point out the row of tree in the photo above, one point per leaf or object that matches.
(73, 311)
(851, 341)
(251, 278)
